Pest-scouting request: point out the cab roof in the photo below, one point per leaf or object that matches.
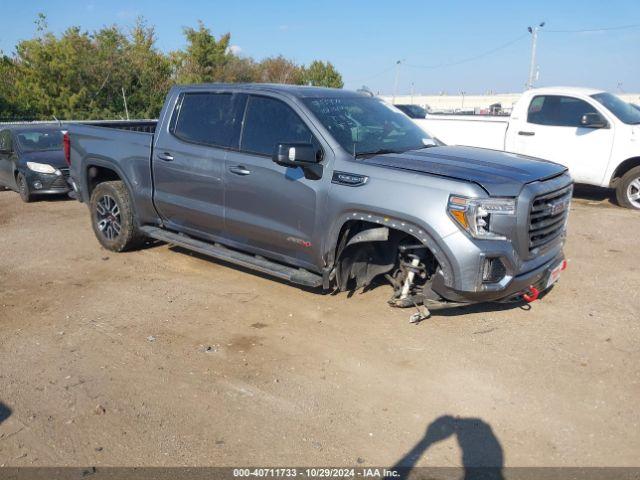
(299, 91)
(565, 91)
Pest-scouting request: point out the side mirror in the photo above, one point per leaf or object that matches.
(302, 155)
(593, 120)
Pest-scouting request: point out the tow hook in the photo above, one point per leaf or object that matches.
(531, 295)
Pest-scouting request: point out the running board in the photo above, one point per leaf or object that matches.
(290, 274)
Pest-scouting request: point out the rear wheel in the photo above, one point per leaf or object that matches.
(112, 217)
(628, 189)
(23, 188)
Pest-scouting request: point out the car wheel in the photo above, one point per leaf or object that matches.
(23, 188)
(628, 189)
(112, 217)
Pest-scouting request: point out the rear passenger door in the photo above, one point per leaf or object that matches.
(189, 161)
(271, 209)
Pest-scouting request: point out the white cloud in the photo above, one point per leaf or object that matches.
(235, 49)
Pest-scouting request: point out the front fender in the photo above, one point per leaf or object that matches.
(420, 233)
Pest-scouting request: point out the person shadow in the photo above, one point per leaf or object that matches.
(482, 455)
(5, 412)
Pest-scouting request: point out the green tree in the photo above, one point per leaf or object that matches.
(204, 59)
(280, 70)
(321, 74)
(83, 75)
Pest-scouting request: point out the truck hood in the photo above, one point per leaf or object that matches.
(55, 158)
(501, 174)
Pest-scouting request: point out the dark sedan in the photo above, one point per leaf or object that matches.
(413, 111)
(32, 161)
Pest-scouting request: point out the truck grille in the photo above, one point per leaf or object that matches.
(548, 217)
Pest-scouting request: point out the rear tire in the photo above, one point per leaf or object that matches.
(23, 188)
(628, 189)
(112, 217)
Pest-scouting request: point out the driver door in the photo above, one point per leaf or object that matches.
(552, 131)
(271, 209)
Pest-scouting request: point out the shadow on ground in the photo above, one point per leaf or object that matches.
(482, 455)
(594, 194)
(5, 412)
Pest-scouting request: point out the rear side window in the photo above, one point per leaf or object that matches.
(555, 110)
(268, 122)
(206, 118)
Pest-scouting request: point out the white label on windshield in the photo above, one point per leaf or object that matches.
(428, 141)
(292, 154)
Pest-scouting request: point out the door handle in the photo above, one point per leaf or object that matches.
(526, 134)
(166, 156)
(240, 170)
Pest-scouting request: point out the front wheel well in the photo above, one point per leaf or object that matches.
(623, 168)
(366, 250)
(97, 174)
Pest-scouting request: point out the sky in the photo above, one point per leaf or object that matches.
(451, 47)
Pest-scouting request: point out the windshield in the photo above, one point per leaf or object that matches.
(40, 141)
(367, 125)
(624, 111)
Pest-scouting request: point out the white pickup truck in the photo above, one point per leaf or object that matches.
(594, 133)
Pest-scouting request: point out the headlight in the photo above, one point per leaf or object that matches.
(474, 214)
(41, 167)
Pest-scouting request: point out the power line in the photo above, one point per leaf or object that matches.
(589, 30)
(376, 75)
(470, 59)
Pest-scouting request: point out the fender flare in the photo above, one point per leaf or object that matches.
(410, 228)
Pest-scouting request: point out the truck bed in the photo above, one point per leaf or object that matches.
(477, 131)
(124, 147)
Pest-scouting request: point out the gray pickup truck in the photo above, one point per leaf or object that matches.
(325, 188)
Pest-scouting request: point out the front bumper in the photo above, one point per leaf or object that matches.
(512, 292)
(46, 183)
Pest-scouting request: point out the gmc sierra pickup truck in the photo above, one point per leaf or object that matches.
(593, 133)
(325, 188)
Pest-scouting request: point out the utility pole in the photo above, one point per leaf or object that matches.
(411, 93)
(124, 97)
(395, 85)
(534, 41)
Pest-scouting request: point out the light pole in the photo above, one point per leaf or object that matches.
(395, 85)
(534, 40)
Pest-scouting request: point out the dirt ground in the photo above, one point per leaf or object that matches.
(160, 357)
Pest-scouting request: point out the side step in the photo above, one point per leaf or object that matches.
(290, 274)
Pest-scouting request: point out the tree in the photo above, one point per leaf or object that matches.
(322, 74)
(205, 57)
(82, 75)
(280, 70)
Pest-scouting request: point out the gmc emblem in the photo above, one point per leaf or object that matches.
(558, 207)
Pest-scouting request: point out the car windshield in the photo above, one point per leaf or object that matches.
(367, 125)
(35, 141)
(621, 109)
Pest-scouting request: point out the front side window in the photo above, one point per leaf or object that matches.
(268, 122)
(205, 118)
(366, 125)
(625, 112)
(558, 111)
(35, 141)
